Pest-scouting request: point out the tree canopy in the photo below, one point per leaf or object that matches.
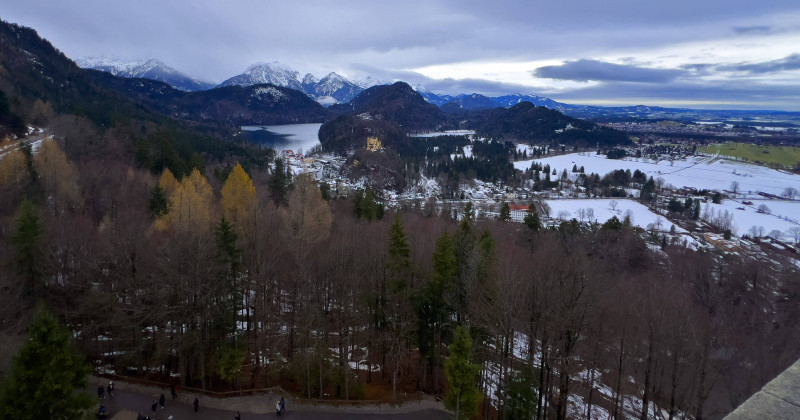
(48, 375)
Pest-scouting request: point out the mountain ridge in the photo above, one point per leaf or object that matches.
(152, 69)
(260, 104)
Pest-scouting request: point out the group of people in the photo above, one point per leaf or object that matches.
(280, 407)
(102, 412)
(101, 391)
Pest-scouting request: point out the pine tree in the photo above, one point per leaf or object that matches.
(430, 305)
(531, 219)
(612, 224)
(399, 264)
(366, 206)
(521, 398)
(648, 190)
(397, 311)
(469, 212)
(158, 202)
(463, 395)
(29, 259)
(48, 375)
(279, 183)
(505, 212)
(229, 258)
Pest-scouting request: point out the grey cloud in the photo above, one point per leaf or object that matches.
(699, 67)
(447, 86)
(585, 70)
(791, 62)
(756, 29)
(738, 94)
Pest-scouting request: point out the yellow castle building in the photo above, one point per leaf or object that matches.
(373, 144)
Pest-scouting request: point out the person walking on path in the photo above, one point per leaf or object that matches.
(162, 400)
(100, 392)
(196, 404)
(110, 389)
(154, 406)
(174, 391)
(237, 416)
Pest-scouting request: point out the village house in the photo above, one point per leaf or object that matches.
(518, 212)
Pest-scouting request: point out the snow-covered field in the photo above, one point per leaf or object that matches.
(697, 172)
(601, 209)
(468, 133)
(784, 216)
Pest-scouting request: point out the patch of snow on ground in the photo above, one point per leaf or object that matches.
(600, 210)
(268, 93)
(576, 409)
(445, 133)
(783, 217)
(696, 172)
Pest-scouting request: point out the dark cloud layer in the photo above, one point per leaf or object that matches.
(586, 70)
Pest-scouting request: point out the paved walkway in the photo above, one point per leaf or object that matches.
(130, 399)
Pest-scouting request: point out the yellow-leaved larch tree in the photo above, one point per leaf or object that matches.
(190, 205)
(13, 169)
(238, 199)
(58, 176)
(168, 182)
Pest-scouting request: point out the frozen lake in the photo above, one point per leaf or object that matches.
(295, 137)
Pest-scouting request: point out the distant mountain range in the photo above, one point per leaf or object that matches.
(336, 89)
(260, 104)
(331, 89)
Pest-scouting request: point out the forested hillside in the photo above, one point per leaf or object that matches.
(532, 124)
(230, 105)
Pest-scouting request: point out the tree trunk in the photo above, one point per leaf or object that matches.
(618, 386)
(540, 397)
(648, 368)
(701, 393)
(458, 405)
(591, 393)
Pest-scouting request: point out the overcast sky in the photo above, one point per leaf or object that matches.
(702, 53)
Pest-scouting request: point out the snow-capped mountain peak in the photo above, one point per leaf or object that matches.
(152, 69)
(421, 89)
(336, 87)
(369, 82)
(274, 73)
(310, 79)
